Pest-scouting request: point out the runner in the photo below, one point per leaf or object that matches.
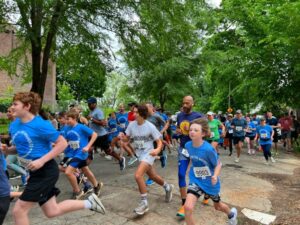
(32, 138)
(286, 125)
(4, 191)
(273, 122)
(143, 134)
(204, 173)
(214, 125)
(183, 125)
(239, 125)
(265, 134)
(229, 132)
(250, 135)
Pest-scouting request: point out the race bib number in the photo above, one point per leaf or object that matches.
(238, 128)
(23, 162)
(74, 145)
(140, 144)
(230, 131)
(123, 125)
(264, 136)
(202, 172)
(185, 153)
(212, 134)
(114, 130)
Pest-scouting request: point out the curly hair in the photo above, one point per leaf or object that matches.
(29, 98)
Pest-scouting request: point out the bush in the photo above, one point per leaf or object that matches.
(4, 104)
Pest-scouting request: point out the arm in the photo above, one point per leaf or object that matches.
(59, 147)
(8, 150)
(84, 120)
(91, 142)
(102, 123)
(217, 172)
(157, 150)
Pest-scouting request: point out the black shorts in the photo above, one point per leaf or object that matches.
(65, 162)
(102, 142)
(41, 184)
(236, 140)
(4, 206)
(197, 191)
(250, 137)
(211, 141)
(78, 163)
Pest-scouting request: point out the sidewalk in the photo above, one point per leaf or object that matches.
(240, 188)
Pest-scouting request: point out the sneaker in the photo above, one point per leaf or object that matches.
(267, 162)
(163, 160)
(142, 208)
(97, 189)
(169, 193)
(88, 189)
(122, 163)
(149, 182)
(180, 212)
(77, 195)
(132, 160)
(14, 188)
(205, 201)
(273, 160)
(108, 157)
(233, 220)
(97, 205)
(237, 160)
(80, 178)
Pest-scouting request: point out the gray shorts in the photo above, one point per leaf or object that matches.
(197, 191)
(285, 134)
(144, 156)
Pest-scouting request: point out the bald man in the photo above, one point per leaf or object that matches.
(183, 125)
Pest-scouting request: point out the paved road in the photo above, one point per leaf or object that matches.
(120, 194)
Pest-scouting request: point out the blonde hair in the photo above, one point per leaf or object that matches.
(204, 126)
(73, 114)
(31, 98)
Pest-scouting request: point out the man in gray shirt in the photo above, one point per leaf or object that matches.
(98, 123)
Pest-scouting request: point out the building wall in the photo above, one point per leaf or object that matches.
(8, 41)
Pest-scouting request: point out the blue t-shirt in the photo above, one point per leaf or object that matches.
(78, 138)
(63, 132)
(33, 139)
(122, 120)
(256, 121)
(204, 158)
(252, 129)
(265, 134)
(183, 123)
(239, 126)
(113, 128)
(4, 185)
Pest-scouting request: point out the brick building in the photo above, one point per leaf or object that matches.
(8, 41)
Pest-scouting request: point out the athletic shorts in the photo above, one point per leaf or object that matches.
(78, 163)
(65, 162)
(4, 206)
(285, 134)
(144, 156)
(102, 142)
(41, 184)
(250, 137)
(236, 140)
(197, 191)
(211, 141)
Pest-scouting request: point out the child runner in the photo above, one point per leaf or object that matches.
(143, 133)
(77, 137)
(204, 173)
(32, 139)
(4, 191)
(265, 134)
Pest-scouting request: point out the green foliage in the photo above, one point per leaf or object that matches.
(65, 95)
(4, 104)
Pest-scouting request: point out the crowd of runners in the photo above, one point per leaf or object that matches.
(145, 134)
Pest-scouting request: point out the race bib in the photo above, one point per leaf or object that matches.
(23, 162)
(114, 130)
(202, 172)
(140, 144)
(230, 131)
(212, 134)
(185, 153)
(74, 145)
(238, 128)
(263, 136)
(123, 125)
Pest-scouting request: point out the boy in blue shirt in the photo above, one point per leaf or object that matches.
(33, 139)
(204, 173)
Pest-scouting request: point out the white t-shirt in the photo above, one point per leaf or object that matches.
(143, 135)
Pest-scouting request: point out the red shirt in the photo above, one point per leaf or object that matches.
(286, 123)
(131, 116)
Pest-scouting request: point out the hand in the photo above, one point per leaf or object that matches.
(86, 149)
(36, 164)
(154, 152)
(214, 180)
(4, 148)
(88, 117)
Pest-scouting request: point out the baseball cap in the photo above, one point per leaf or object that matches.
(230, 115)
(238, 111)
(210, 113)
(92, 100)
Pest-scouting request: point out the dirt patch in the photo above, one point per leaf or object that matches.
(285, 198)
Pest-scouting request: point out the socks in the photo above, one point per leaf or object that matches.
(87, 204)
(166, 186)
(183, 201)
(144, 198)
(230, 215)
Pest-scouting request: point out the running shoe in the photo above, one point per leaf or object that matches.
(80, 178)
(205, 201)
(108, 157)
(237, 160)
(169, 193)
(132, 160)
(97, 189)
(122, 163)
(149, 182)
(163, 160)
(142, 208)
(97, 205)
(180, 212)
(87, 188)
(233, 220)
(77, 195)
(273, 160)
(267, 162)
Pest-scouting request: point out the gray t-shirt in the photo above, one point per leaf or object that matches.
(157, 121)
(142, 135)
(98, 115)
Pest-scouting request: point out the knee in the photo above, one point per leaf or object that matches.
(217, 206)
(108, 151)
(188, 209)
(138, 176)
(69, 173)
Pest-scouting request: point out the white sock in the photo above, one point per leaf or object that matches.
(166, 186)
(87, 204)
(144, 198)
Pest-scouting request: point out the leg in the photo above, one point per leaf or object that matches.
(72, 178)
(182, 168)
(139, 176)
(189, 208)
(154, 176)
(4, 206)
(89, 174)
(20, 212)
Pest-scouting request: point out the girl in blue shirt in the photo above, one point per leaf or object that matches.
(204, 173)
